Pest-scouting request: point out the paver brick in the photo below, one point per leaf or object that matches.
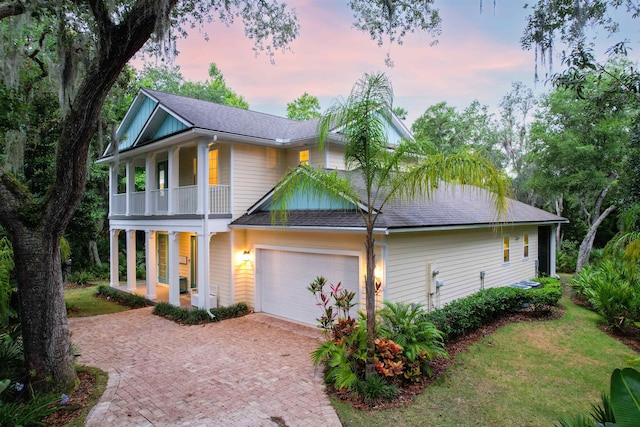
(239, 372)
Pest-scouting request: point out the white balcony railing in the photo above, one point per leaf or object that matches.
(219, 200)
(185, 201)
(159, 201)
(118, 204)
(136, 203)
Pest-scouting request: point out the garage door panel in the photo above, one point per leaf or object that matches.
(284, 277)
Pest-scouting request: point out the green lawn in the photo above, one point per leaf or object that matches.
(525, 374)
(83, 302)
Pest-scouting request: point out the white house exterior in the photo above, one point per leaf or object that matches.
(208, 171)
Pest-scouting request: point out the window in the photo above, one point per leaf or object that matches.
(195, 171)
(213, 167)
(304, 157)
(505, 249)
(525, 243)
(163, 256)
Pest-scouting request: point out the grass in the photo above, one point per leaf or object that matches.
(83, 302)
(525, 374)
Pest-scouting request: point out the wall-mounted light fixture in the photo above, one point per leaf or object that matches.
(246, 256)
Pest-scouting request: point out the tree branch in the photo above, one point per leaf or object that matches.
(613, 176)
(118, 43)
(11, 8)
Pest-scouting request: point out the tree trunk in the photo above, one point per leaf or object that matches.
(45, 332)
(370, 292)
(587, 243)
(95, 256)
(35, 227)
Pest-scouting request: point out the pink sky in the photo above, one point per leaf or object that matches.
(478, 57)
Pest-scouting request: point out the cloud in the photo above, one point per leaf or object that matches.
(470, 62)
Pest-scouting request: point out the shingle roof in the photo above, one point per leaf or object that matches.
(223, 118)
(449, 206)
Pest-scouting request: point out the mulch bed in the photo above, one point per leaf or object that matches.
(439, 366)
(77, 402)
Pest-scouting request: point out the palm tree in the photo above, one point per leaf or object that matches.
(378, 173)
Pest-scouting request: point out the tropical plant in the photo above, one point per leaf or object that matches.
(609, 290)
(377, 175)
(6, 269)
(404, 324)
(620, 408)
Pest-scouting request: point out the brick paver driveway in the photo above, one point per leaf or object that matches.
(251, 371)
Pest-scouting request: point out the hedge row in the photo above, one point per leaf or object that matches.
(465, 315)
(197, 316)
(123, 298)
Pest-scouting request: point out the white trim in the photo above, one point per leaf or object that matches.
(307, 229)
(469, 226)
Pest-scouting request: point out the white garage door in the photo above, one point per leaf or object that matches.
(284, 276)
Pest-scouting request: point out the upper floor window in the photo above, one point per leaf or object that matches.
(525, 243)
(505, 249)
(213, 167)
(304, 158)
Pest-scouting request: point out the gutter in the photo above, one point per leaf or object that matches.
(469, 226)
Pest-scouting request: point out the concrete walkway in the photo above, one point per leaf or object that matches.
(250, 371)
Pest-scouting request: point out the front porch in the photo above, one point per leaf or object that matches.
(162, 293)
(176, 266)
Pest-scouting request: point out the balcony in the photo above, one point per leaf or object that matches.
(184, 200)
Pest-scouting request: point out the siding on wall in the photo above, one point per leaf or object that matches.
(336, 157)
(220, 266)
(168, 126)
(135, 127)
(186, 176)
(252, 179)
(185, 251)
(459, 256)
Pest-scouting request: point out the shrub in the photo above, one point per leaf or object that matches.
(124, 298)
(101, 271)
(375, 388)
(419, 340)
(237, 310)
(197, 316)
(567, 257)
(29, 413)
(609, 291)
(80, 277)
(465, 315)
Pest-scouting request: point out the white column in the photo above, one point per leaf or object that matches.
(151, 251)
(149, 184)
(174, 271)
(203, 177)
(173, 172)
(113, 257)
(552, 250)
(130, 184)
(204, 278)
(131, 261)
(113, 185)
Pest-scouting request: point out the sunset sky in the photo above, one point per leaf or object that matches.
(478, 57)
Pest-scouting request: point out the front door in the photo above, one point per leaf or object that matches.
(194, 261)
(544, 252)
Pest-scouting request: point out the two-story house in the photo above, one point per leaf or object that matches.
(196, 178)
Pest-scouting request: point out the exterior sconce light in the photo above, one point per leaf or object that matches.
(246, 256)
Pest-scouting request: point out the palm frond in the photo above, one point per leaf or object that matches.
(464, 168)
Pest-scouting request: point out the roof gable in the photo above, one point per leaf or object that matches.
(154, 115)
